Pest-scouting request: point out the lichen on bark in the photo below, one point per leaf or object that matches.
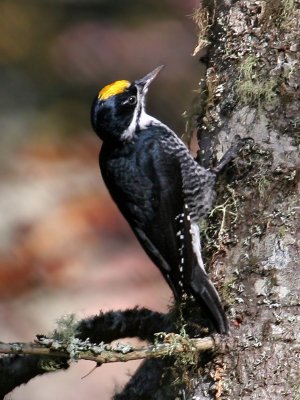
(253, 78)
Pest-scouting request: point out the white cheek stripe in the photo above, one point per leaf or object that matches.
(197, 244)
(129, 132)
(144, 121)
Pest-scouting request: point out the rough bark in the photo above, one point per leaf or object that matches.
(253, 239)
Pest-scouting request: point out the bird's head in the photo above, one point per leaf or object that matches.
(118, 111)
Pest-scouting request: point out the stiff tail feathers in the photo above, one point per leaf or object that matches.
(204, 291)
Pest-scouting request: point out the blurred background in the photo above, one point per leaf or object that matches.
(64, 248)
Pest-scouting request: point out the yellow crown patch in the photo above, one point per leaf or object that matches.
(113, 89)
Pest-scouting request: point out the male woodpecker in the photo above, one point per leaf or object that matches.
(159, 188)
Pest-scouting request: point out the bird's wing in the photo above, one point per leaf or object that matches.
(161, 232)
(171, 238)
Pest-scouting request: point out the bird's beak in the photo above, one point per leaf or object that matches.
(144, 83)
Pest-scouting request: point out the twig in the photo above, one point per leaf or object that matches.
(114, 355)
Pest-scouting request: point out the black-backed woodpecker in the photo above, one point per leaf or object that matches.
(159, 188)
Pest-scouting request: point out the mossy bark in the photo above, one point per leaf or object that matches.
(253, 234)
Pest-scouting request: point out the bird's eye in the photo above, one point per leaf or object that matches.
(131, 100)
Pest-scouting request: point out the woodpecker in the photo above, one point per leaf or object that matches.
(159, 188)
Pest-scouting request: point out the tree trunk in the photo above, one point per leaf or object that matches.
(253, 235)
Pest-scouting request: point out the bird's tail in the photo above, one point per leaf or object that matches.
(204, 292)
(196, 279)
